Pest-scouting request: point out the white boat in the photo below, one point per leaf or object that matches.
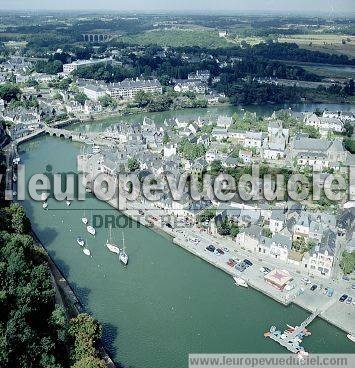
(14, 178)
(351, 337)
(239, 281)
(80, 241)
(91, 230)
(87, 252)
(45, 205)
(84, 219)
(123, 257)
(68, 203)
(111, 246)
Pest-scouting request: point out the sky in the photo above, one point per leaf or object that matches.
(328, 6)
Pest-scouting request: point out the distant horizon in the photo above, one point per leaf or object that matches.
(224, 7)
(188, 12)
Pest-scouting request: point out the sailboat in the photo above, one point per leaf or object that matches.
(84, 219)
(123, 257)
(112, 247)
(86, 251)
(80, 241)
(91, 230)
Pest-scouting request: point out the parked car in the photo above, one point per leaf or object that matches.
(346, 278)
(349, 300)
(241, 266)
(343, 298)
(247, 262)
(330, 292)
(220, 251)
(353, 286)
(232, 262)
(211, 248)
(314, 287)
(226, 249)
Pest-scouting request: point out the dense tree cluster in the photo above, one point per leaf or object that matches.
(347, 262)
(189, 150)
(49, 67)
(9, 92)
(34, 331)
(250, 92)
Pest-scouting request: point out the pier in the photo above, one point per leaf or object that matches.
(291, 338)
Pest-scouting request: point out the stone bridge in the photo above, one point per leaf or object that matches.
(97, 37)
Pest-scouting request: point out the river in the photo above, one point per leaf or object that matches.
(166, 303)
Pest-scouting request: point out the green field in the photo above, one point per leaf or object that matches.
(178, 38)
(330, 43)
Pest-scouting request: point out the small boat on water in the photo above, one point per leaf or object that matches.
(91, 230)
(45, 205)
(351, 337)
(14, 178)
(87, 252)
(80, 241)
(84, 219)
(111, 246)
(68, 203)
(240, 282)
(123, 257)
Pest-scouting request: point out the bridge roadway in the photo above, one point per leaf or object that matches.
(87, 138)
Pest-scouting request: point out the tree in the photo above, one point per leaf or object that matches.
(347, 262)
(216, 167)
(350, 145)
(9, 92)
(224, 227)
(85, 331)
(142, 99)
(89, 362)
(107, 101)
(81, 98)
(234, 230)
(133, 164)
(207, 214)
(19, 221)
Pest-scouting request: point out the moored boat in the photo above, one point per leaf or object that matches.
(123, 257)
(84, 219)
(111, 246)
(87, 252)
(80, 241)
(45, 205)
(240, 282)
(91, 230)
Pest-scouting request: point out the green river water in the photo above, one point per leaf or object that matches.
(166, 303)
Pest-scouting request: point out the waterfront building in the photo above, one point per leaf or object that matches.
(128, 88)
